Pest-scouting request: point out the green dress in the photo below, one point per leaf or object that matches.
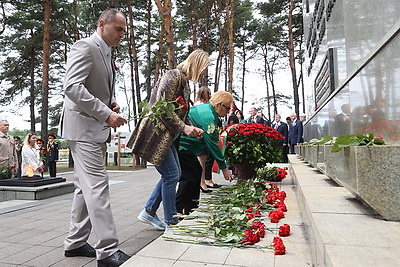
(204, 117)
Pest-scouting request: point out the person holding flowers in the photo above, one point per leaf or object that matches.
(204, 117)
(157, 144)
(31, 164)
(8, 153)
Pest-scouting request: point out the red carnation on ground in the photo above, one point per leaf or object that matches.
(276, 215)
(281, 206)
(279, 247)
(250, 238)
(284, 230)
(260, 227)
(250, 217)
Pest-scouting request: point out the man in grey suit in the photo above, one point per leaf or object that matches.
(90, 105)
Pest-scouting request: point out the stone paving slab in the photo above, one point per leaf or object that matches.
(33, 232)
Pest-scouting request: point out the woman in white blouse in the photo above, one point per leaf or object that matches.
(31, 157)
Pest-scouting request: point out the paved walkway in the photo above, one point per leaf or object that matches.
(32, 232)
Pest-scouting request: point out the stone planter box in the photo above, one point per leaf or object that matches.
(313, 156)
(307, 153)
(321, 159)
(299, 151)
(373, 175)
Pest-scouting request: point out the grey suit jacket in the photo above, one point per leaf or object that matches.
(89, 91)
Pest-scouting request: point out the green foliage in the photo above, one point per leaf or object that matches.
(357, 140)
(325, 140)
(20, 133)
(161, 108)
(266, 173)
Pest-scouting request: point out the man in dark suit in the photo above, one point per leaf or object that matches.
(52, 155)
(89, 105)
(282, 127)
(264, 120)
(254, 117)
(295, 132)
(342, 120)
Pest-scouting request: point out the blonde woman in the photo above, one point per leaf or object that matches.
(31, 164)
(158, 147)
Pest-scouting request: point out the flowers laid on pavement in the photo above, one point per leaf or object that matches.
(284, 230)
(273, 174)
(252, 143)
(233, 216)
(279, 247)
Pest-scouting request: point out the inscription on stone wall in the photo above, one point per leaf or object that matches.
(324, 83)
(317, 29)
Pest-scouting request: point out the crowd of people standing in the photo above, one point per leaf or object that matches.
(30, 158)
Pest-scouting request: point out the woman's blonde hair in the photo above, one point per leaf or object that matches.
(221, 97)
(203, 95)
(194, 64)
(26, 139)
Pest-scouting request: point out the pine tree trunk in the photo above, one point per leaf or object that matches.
(133, 63)
(195, 24)
(159, 60)
(165, 11)
(218, 63)
(292, 59)
(32, 87)
(230, 12)
(266, 75)
(148, 49)
(45, 76)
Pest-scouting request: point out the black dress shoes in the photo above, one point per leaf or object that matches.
(116, 259)
(214, 186)
(84, 251)
(205, 190)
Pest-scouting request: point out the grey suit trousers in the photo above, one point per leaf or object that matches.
(91, 203)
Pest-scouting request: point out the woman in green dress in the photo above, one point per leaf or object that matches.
(205, 117)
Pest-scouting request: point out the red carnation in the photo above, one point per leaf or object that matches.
(281, 206)
(279, 247)
(184, 106)
(250, 217)
(260, 227)
(284, 230)
(276, 215)
(250, 238)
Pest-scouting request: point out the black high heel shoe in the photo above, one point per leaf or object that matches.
(205, 190)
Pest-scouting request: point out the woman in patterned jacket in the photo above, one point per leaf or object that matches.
(157, 145)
